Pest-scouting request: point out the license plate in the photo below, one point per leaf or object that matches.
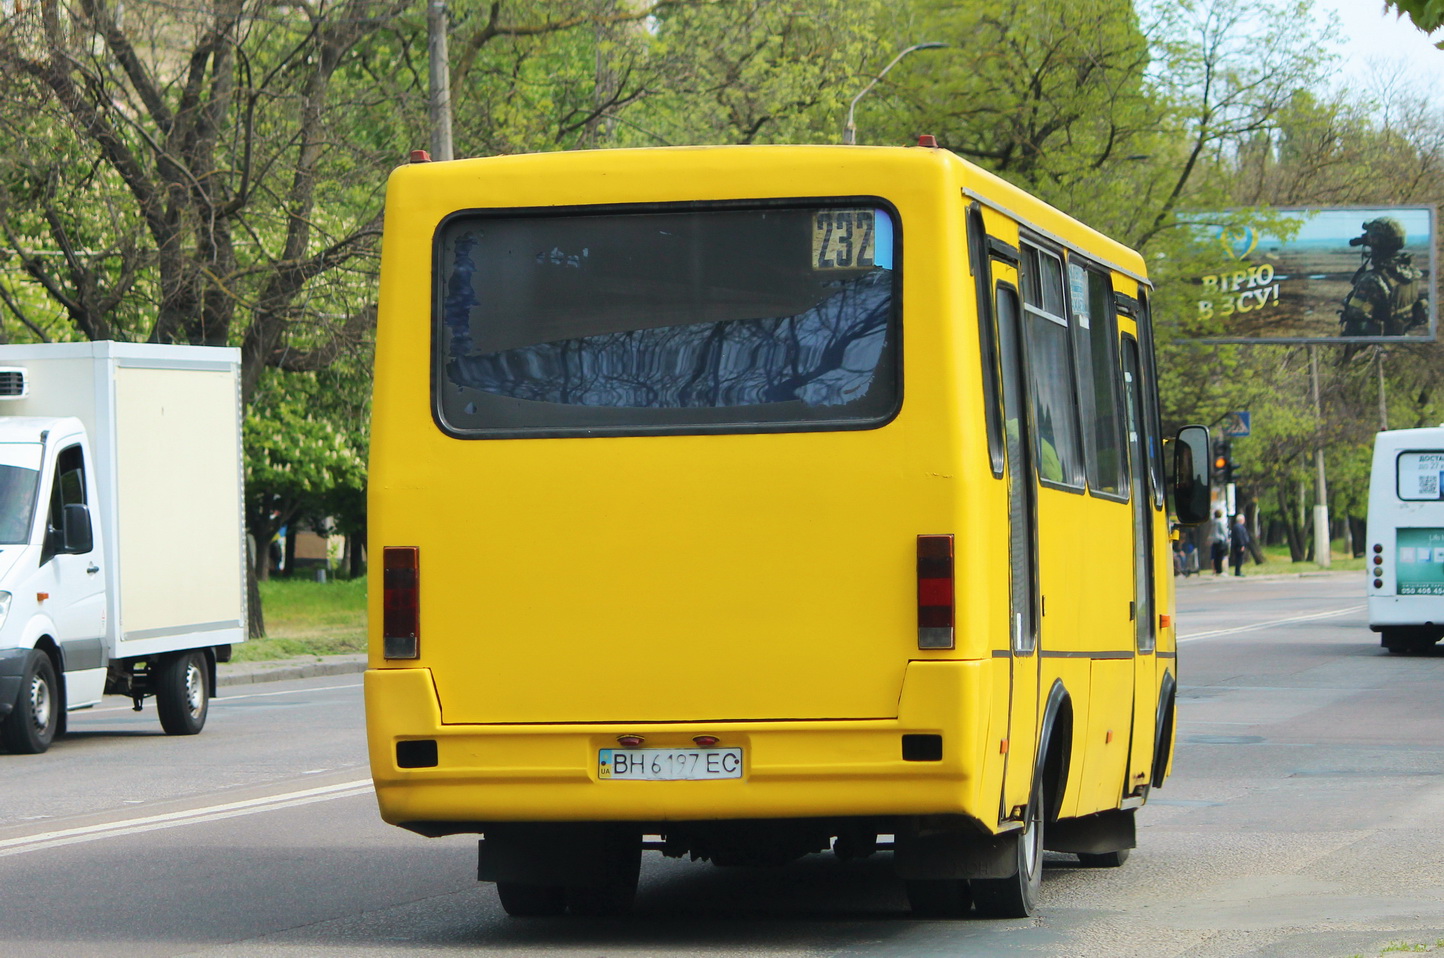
(669, 764)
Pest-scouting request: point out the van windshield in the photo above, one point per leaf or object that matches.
(666, 320)
(19, 478)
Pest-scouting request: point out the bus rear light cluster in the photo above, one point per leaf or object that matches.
(936, 600)
(401, 603)
(1377, 569)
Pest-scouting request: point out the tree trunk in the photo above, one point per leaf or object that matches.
(288, 566)
(356, 546)
(255, 615)
(1293, 532)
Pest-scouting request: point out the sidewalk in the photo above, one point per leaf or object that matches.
(299, 667)
(1200, 578)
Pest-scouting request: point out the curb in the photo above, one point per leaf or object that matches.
(279, 670)
(1198, 578)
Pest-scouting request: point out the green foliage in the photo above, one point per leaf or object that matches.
(305, 440)
(1427, 15)
(214, 173)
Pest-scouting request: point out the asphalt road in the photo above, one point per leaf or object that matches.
(1303, 819)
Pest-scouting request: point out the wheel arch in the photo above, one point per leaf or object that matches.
(46, 645)
(1055, 748)
(1163, 726)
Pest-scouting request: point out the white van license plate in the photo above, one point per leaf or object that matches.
(669, 764)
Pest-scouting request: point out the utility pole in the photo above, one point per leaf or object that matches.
(1321, 494)
(439, 101)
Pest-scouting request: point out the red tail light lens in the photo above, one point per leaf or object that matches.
(401, 603)
(935, 592)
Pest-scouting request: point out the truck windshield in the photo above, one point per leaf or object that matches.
(667, 320)
(19, 477)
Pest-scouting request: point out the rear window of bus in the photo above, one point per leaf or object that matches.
(667, 320)
(1421, 476)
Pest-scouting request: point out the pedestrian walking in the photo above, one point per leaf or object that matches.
(1238, 544)
(1218, 545)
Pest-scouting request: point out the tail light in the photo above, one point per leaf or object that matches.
(935, 592)
(401, 603)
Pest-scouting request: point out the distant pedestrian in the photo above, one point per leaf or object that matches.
(1218, 547)
(1238, 544)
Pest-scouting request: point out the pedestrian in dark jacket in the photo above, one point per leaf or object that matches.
(1238, 543)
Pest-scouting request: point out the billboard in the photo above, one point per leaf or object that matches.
(1337, 275)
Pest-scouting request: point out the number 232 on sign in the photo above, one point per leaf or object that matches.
(843, 239)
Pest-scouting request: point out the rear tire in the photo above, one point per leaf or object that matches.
(940, 897)
(617, 895)
(32, 724)
(1407, 641)
(1017, 895)
(1103, 859)
(182, 694)
(531, 901)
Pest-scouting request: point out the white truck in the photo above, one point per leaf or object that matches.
(122, 550)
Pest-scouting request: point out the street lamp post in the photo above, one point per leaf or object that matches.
(849, 131)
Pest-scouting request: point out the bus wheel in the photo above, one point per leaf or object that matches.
(1103, 859)
(531, 901)
(182, 695)
(939, 897)
(1017, 895)
(616, 896)
(32, 723)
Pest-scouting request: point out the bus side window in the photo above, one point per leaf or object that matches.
(1095, 335)
(987, 338)
(1152, 425)
(1050, 371)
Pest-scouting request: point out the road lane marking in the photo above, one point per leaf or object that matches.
(194, 816)
(220, 700)
(1270, 623)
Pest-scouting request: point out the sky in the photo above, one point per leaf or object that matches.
(1374, 37)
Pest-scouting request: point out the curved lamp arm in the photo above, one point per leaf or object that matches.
(849, 130)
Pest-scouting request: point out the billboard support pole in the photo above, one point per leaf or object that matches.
(1383, 402)
(1321, 505)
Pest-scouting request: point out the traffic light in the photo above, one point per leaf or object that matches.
(1222, 461)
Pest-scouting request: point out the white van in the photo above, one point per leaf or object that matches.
(122, 562)
(1405, 541)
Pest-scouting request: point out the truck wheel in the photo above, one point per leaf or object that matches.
(182, 696)
(1017, 895)
(30, 728)
(531, 901)
(1103, 859)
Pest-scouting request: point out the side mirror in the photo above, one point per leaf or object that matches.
(76, 531)
(1191, 474)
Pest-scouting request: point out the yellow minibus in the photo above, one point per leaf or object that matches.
(742, 503)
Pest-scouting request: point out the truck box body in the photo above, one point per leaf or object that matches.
(163, 424)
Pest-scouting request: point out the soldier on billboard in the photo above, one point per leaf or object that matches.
(1388, 298)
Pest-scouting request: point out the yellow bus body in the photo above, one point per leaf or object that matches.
(761, 587)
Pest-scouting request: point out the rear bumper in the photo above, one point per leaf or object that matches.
(1388, 611)
(791, 769)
